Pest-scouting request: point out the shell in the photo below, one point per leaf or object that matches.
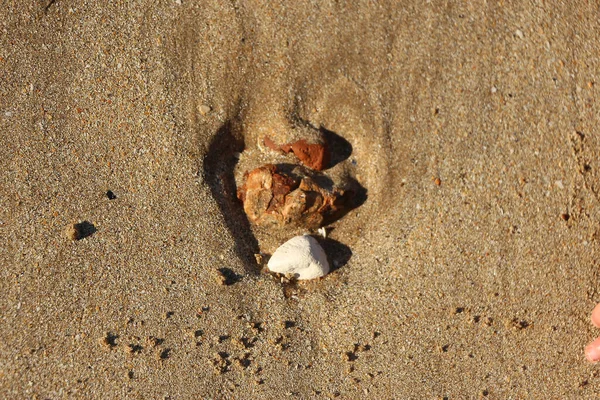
(302, 257)
(276, 198)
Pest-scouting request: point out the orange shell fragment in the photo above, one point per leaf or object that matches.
(272, 197)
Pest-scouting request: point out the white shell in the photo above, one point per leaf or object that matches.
(302, 257)
(323, 232)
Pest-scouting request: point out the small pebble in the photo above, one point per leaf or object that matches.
(80, 230)
(204, 109)
(559, 184)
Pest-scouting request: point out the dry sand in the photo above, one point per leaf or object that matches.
(471, 268)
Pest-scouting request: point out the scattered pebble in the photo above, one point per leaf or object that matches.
(288, 324)
(203, 108)
(152, 341)
(132, 348)
(301, 257)
(220, 362)
(72, 232)
(80, 230)
(227, 276)
(163, 354)
(458, 310)
(517, 324)
(109, 341)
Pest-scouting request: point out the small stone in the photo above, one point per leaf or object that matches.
(227, 277)
(80, 230)
(108, 341)
(517, 324)
(559, 184)
(220, 278)
(203, 108)
(301, 257)
(72, 232)
(132, 348)
(153, 341)
(162, 354)
(458, 310)
(128, 348)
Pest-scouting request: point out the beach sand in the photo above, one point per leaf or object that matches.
(469, 271)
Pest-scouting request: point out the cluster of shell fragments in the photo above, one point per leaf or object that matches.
(282, 186)
(274, 197)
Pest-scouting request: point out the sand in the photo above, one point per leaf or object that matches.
(469, 271)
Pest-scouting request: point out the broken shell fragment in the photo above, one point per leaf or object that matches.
(301, 257)
(273, 197)
(313, 155)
